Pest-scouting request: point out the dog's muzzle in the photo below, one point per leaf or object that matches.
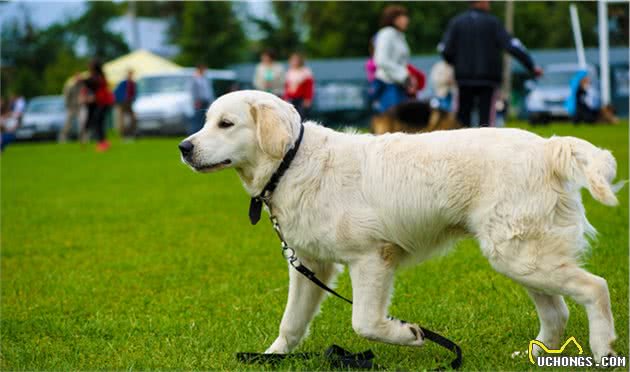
(186, 148)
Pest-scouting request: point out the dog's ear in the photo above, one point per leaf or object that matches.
(273, 126)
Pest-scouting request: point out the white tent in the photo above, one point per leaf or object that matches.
(141, 62)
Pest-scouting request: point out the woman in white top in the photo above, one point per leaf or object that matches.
(269, 75)
(391, 55)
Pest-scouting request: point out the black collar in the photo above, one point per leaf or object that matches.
(255, 205)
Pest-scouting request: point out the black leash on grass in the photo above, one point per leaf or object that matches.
(336, 355)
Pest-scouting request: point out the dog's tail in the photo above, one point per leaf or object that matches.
(578, 162)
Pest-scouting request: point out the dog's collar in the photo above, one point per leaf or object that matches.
(255, 205)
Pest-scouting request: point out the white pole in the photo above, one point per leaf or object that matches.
(604, 73)
(577, 35)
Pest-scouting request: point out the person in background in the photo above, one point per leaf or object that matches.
(10, 119)
(582, 103)
(202, 96)
(125, 94)
(442, 79)
(391, 56)
(299, 85)
(269, 75)
(7, 124)
(74, 108)
(100, 101)
(4, 110)
(472, 44)
(17, 107)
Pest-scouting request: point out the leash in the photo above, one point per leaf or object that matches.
(336, 355)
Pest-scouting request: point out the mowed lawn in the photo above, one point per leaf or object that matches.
(128, 260)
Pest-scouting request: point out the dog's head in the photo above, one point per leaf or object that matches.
(242, 129)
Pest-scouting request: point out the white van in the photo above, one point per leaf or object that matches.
(164, 102)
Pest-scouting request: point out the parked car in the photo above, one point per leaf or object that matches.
(546, 97)
(164, 102)
(43, 118)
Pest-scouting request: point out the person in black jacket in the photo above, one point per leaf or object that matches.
(473, 43)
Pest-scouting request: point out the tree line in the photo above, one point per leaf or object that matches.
(221, 33)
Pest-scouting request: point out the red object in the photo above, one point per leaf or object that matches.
(304, 90)
(418, 77)
(103, 96)
(102, 146)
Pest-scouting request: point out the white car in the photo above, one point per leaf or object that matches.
(164, 103)
(43, 118)
(547, 97)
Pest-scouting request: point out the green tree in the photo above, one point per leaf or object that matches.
(343, 29)
(428, 22)
(92, 25)
(34, 55)
(57, 73)
(340, 29)
(541, 25)
(210, 33)
(283, 34)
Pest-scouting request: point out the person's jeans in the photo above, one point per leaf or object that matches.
(198, 118)
(6, 139)
(388, 95)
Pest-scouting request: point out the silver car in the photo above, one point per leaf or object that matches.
(164, 104)
(43, 118)
(547, 96)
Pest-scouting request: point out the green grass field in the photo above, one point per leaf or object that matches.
(128, 260)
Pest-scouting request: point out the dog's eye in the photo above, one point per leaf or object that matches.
(225, 124)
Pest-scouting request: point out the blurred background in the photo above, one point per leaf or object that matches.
(45, 44)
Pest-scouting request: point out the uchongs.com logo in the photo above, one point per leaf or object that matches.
(552, 357)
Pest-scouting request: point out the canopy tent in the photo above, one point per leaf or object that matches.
(141, 62)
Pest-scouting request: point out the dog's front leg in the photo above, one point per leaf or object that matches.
(302, 305)
(372, 279)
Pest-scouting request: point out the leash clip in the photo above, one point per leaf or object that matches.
(289, 254)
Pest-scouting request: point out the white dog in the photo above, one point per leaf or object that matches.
(374, 203)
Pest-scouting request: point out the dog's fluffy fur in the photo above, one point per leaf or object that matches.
(374, 203)
(413, 117)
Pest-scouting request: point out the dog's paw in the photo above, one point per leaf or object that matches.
(607, 354)
(279, 346)
(417, 333)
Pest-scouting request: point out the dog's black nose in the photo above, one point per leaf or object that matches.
(186, 148)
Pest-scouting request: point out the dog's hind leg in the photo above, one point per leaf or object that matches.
(302, 305)
(551, 272)
(372, 278)
(553, 315)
